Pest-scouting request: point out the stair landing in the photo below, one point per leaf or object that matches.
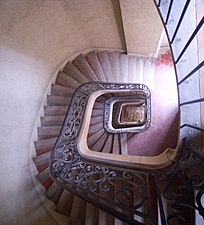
(163, 132)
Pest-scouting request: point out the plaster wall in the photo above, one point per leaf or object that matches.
(35, 38)
(142, 26)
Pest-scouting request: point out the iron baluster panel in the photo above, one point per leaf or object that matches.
(192, 102)
(191, 126)
(190, 39)
(169, 11)
(74, 172)
(93, 180)
(197, 68)
(180, 20)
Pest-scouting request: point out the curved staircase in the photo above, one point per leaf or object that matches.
(172, 194)
(94, 66)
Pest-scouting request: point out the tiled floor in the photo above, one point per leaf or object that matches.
(162, 133)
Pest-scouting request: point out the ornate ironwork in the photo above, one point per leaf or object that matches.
(113, 127)
(125, 192)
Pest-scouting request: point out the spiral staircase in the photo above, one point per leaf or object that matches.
(103, 66)
(118, 67)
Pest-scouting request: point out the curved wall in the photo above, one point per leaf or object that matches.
(35, 38)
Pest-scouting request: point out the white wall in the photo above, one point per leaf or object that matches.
(35, 38)
(142, 26)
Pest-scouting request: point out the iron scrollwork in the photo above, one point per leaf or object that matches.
(69, 168)
(120, 191)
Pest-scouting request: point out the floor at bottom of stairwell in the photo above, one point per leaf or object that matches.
(163, 132)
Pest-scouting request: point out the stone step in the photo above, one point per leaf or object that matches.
(132, 69)
(78, 212)
(64, 204)
(93, 129)
(97, 113)
(116, 144)
(92, 215)
(54, 192)
(61, 91)
(43, 158)
(149, 75)
(82, 65)
(123, 68)
(58, 100)
(45, 144)
(48, 132)
(44, 175)
(47, 183)
(98, 105)
(123, 144)
(140, 70)
(99, 144)
(105, 65)
(96, 120)
(108, 146)
(55, 110)
(74, 73)
(67, 81)
(115, 66)
(93, 138)
(93, 62)
(52, 120)
(105, 218)
(42, 167)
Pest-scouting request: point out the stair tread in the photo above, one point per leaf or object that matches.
(123, 67)
(116, 144)
(99, 144)
(97, 113)
(73, 72)
(139, 67)
(65, 202)
(45, 143)
(92, 60)
(67, 81)
(105, 65)
(115, 65)
(41, 159)
(77, 216)
(96, 120)
(58, 100)
(123, 144)
(46, 132)
(81, 63)
(54, 192)
(52, 110)
(61, 90)
(44, 175)
(98, 105)
(47, 183)
(105, 218)
(52, 120)
(132, 69)
(92, 215)
(42, 167)
(94, 128)
(107, 148)
(93, 138)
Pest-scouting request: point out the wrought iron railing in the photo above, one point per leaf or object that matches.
(169, 194)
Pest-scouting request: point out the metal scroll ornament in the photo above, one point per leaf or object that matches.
(124, 192)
